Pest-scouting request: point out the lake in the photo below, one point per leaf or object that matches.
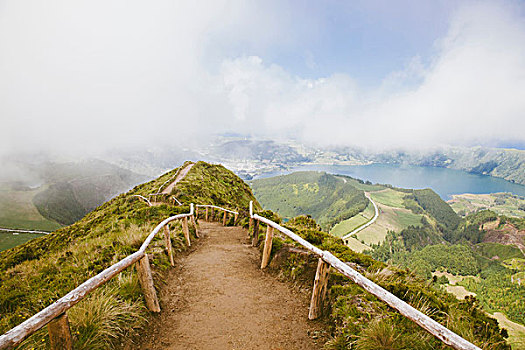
(443, 181)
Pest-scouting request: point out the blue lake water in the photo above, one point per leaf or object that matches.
(445, 182)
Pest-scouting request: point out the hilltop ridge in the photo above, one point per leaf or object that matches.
(36, 273)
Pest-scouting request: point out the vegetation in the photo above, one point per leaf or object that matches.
(76, 189)
(327, 198)
(361, 321)
(506, 204)
(9, 240)
(348, 225)
(37, 273)
(18, 211)
(437, 208)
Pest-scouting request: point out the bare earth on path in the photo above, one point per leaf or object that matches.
(179, 177)
(218, 298)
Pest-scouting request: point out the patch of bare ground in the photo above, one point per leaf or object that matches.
(508, 235)
(218, 298)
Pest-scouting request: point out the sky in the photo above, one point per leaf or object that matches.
(80, 77)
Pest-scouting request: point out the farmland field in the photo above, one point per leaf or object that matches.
(9, 240)
(18, 211)
(354, 222)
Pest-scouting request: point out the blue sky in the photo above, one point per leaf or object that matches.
(364, 39)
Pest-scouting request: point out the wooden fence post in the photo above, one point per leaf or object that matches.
(255, 238)
(319, 291)
(267, 247)
(235, 218)
(186, 230)
(206, 214)
(197, 212)
(250, 226)
(146, 282)
(224, 217)
(60, 334)
(167, 238)
(194, 223)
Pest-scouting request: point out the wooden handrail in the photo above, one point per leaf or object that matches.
(17, 334)
(216, 207)
(168, 180)
(436, 329)
(143, 198)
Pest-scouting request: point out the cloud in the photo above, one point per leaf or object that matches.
(85, 76)
(470, 93)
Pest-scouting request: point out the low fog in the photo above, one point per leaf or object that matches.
(84, 77)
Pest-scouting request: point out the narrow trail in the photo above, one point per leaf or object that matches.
(179, 177)
(218, 298)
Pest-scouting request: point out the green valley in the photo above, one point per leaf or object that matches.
(64, 194)
(416, 229)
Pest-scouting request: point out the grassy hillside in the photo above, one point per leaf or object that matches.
(10, 240)
(327, 198)
(77, 188)
(320, 195)
(37, 273)
(502, 203)
(64, 194)
(17, 209)
(363, 322)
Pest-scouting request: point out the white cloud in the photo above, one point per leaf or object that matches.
(83, 75)
(473, 91)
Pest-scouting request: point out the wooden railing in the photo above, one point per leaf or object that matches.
(327, 260)
(210, 211)
(55, 317)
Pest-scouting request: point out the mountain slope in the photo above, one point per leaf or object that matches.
(36, 273)
(327, 198)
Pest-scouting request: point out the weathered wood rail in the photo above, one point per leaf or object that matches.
(327, 260)
(210, 211)
(55, 317)
(143, 198)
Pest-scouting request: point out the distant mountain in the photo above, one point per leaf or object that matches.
(508, 164)
(52, 194)
(260, 151)
(265, 156)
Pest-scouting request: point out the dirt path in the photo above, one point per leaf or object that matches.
(218, 298)
(179, 177)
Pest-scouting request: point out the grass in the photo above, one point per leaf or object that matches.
(356, 245)
(327, 198)
(502, 252)
(347, 226)
(390, 219)
(501, 203)
(361, 321)
(18, 211)
(389, 197)
(360, 185)
(516, 331)
(393, 216)
(459, 292)
(37, 273)
(9, 240)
